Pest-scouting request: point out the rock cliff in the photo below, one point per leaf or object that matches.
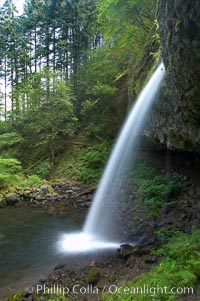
(175, 121)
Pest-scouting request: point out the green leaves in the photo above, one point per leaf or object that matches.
(152, 190)
(10, 166)
(9, 139)
(84, 163)
(11, 175)
(178, 272)
(10, 169)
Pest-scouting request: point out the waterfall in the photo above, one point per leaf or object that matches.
(102, 224)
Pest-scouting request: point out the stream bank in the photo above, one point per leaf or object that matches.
(52, 197)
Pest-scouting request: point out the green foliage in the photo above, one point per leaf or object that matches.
(165, 233)
(67, 64)
(9, 172)
(17, 297)
(9, 140)
(155, 192)
(102, 109)
(179, 268)
(46, 297)
(10, 166)
(31, 181)
(50, 119)
(41, 169)
(152, 189)
(90, 163)
(84, 163)
(143, 170)
(11, 175)
(126, 25)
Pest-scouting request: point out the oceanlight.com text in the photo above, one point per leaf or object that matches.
(78, 289)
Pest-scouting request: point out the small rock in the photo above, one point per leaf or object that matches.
(85, 205)
(125, 251)
(151, 259)
(141, 250)
(12, 199)
(93, 263)
(82, 299)
(44, 188)
(3, 203)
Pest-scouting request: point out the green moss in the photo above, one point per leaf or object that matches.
(112, 277)
(130, 261)
(94, 275)
(17, 297)
(165, 88)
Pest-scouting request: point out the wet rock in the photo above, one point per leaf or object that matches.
(174, 121)
(82, 299)
(141, 250)
(12, 199)
(151, 259)
(59, 267)
(142, 239)
(85, 205)
(125, 251)
(44, 188)
(196, 222)
(3, 203)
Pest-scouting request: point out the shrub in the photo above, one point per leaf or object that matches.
(152, 189)
(42, 168)
(84, 163)
(32, 180)
(11, 174)
(10, 171)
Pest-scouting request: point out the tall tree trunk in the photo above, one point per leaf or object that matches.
(35, 48)
(5, 87)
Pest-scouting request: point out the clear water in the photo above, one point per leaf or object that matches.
(28, 244)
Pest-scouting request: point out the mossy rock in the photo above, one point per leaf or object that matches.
(27, 192)
(17, 297)
(94, 275)
(12, 190)
(112, 278)
(54, 298)
(47, 190)
(130, 261)
(12, 198)
(3, 203)
(51, 191)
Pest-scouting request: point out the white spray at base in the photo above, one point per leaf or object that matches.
(101, 226)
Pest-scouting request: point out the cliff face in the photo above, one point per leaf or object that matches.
(175, 121)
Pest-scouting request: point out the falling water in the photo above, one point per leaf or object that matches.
(102, 221)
